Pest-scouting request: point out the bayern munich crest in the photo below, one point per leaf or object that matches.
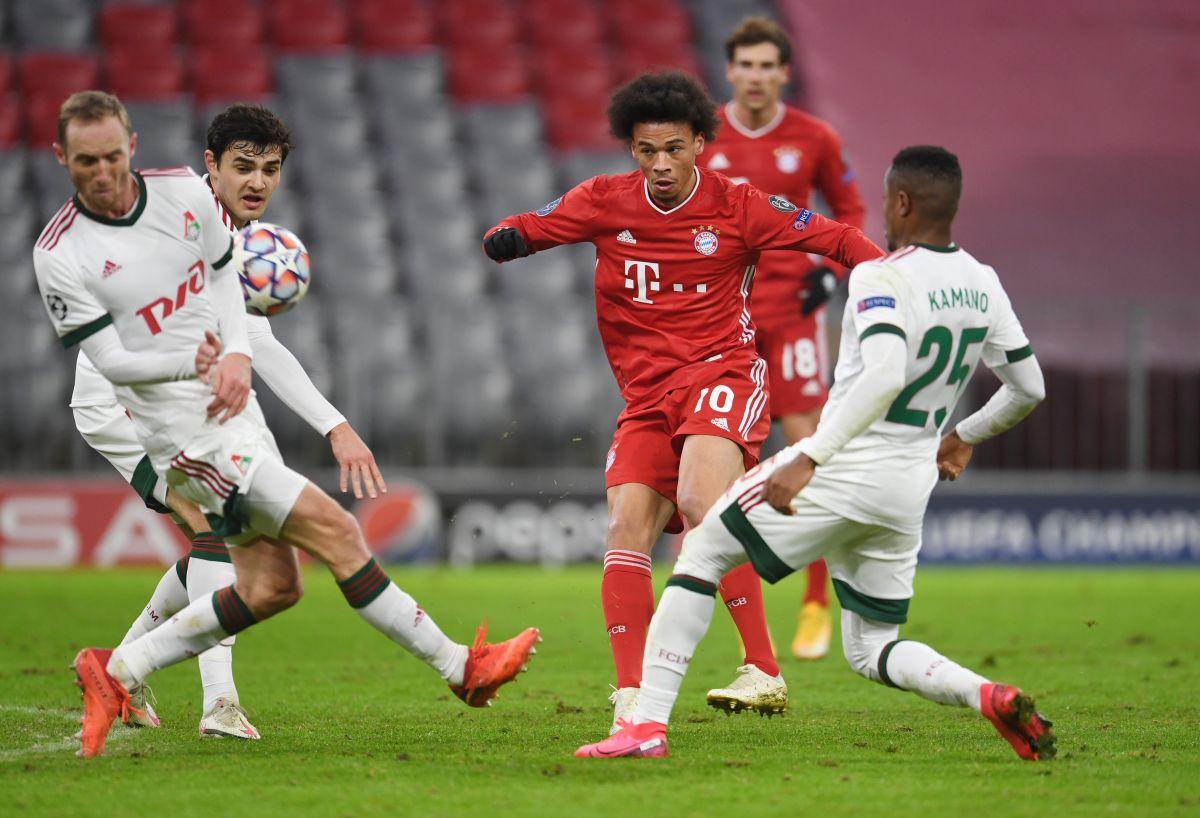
(705, 240)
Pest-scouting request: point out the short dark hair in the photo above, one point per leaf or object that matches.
(254, 125)
(932, 176)
(756, 30)
(668, 96)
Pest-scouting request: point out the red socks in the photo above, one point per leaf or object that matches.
(818, 584)
(741, 589)
(627, 596)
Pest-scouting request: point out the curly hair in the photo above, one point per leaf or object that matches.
(669, 96)
(253, 125)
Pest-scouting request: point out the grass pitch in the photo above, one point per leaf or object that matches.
(352, 727)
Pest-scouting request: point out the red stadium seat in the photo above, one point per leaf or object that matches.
(10, 120)
(41, 119)
(144, 73)
(221, 75)
(559, 23)
(585, 71)
(665, 25)
(6, 74)
(228, 24)
(478, 75)
(136, 24)
(307, 26)
(632, 61)
(49, 74)
(388, 26)
(578, 124)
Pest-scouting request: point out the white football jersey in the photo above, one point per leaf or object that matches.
(146, 274)
(952, 312)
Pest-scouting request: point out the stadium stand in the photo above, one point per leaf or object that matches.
(417, 125)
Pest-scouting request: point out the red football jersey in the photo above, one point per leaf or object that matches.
(673, 286)
(792, 155)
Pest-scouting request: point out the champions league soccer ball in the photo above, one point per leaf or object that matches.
(273, 266)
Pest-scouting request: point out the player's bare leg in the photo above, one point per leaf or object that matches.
(637, 515)
(814, 627)
(708, 466)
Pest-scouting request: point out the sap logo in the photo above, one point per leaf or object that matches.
(194, 284)
(615, 629)
(673, 658)
(737, 603)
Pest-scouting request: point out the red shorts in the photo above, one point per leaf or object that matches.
(796, 355)
(729, 403)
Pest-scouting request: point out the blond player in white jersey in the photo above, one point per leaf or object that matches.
(916, 325)
(246, 149)
(137, 273)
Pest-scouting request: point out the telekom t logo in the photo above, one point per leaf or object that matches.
(644, 276)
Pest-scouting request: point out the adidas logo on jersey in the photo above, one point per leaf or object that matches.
(813, 387)
(110, 267)
(719, 162)
(721, 423)
(625, 237)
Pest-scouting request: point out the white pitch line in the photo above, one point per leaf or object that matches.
(39, 711)
(119, 733)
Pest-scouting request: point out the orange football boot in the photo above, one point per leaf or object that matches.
(490, 666)
(104, 699)
(1016, 718)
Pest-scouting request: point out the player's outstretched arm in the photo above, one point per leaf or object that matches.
(882, 379)
(1022, 387)
(774, 223)
(123, 367)
(569, 219)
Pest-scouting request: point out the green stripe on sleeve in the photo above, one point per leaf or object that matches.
(876, 329)
(1014, 355)
(223, 260)
(86, 331)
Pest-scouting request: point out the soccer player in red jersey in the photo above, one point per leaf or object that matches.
(781, 149)
(676, 249)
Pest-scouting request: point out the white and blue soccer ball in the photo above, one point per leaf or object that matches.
(274, 267)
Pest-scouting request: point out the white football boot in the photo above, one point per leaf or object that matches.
(624, 701)
(141, 713)
(751, 690)
(227, 719)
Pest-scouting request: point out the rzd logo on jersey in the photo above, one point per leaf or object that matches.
(193, 284)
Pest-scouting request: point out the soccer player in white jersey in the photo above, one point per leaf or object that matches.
(916, 324)
(136, 271)
(247, 146)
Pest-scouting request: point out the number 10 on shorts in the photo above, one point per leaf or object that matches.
(720, 399)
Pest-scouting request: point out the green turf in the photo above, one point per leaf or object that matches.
(353, 728)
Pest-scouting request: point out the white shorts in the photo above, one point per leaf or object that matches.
(235, 474)
(109, 431)
(872, 566)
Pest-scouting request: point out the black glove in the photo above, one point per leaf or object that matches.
(818, 286)
(505, 245)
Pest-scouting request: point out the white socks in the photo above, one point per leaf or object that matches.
(169, 597)
(921, 669)
(679, 623)
(190, 632)
(216, 664)
(397, 615)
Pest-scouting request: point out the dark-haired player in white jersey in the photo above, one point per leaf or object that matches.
(136, 271)
(246, 149)
(916, 325)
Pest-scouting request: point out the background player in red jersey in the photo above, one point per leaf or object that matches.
(676, 248)
(781, 149)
